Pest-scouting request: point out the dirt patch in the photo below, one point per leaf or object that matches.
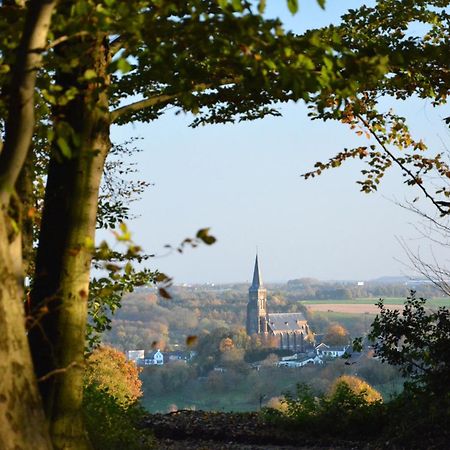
(201, 430)
(350, 308)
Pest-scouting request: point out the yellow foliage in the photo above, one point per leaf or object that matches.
(358, 386)
(109, 369)
(336, 335)
(278, 404)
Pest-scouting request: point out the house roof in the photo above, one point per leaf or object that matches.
(333, 348)
(153, 353)
(287, 321)
(322, 345)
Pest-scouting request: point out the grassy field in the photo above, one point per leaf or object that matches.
(231, 401)
(243, 393)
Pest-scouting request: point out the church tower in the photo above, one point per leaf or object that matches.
(257, 304)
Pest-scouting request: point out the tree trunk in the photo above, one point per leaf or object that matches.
(60, 292)
(22, 421)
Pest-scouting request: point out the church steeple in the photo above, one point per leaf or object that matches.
(257, 280)
(257, 304)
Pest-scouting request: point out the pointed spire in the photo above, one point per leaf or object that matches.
(257, 280)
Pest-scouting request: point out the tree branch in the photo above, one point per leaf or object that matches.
(141, 104)
(162, 98)
(402, 166)
(57, 372)
(62, 39)
(20, 122)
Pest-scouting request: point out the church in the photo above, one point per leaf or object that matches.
(290, 329)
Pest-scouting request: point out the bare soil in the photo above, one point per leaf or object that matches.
(186, 430)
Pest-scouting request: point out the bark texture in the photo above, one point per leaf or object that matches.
(20, 123)
(22, 421)
(60, 293)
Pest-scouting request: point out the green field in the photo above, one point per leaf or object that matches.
(356, 324)
(243, 392)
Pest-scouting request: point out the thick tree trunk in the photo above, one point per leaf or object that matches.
(22, 421)
(60, 292)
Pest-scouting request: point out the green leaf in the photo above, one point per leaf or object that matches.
(293, 6)
(123, 65)
(237, 5)
(89, 74)
(261, 6)
(64, 147)
(321, 3)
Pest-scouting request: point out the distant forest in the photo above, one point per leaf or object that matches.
(146, 320)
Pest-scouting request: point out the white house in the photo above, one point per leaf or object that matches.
(158, 358)
(324, 350)
(151, 359)
(301, 362)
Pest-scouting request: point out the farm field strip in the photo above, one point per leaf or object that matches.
(349, 308)
(432, 302)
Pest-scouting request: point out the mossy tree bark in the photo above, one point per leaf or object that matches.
(60, 292)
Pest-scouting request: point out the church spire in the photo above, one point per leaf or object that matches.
(257, 280)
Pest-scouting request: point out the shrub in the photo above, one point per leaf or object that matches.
(111, 425)
(417, 340)
(343, 413)
(358, 386)
(109, 369)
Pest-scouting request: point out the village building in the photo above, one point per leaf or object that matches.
(290, 329)
(324, 350)
(134, 355)
(154, 358)
(179, 355)
(300, 361)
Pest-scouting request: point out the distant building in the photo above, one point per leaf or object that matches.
(324, 350)
(300, 361)
(143, 359)
(134, 355)
(179, 355)
(291, 329)
(157, 358)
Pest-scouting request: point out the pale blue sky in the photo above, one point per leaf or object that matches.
(244, 182)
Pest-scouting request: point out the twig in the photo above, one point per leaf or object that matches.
(57, 371)
(65, 38)
(402, 166)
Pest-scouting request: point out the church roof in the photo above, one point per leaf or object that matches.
(257, 280)
(286, 321)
